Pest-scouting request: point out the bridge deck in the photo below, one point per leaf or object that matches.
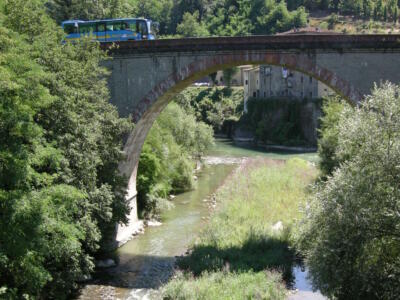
(266, 42)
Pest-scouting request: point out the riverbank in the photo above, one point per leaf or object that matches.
(225, 147)
(147, 262)
(245, 251)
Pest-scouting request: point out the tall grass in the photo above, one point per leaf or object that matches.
(239, 244)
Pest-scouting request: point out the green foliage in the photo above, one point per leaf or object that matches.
(191, 27)
(350, 234)
(218, 107)
(277, 18)
(329, 135)
(60, 145)
(61, 10)
(228, 75)
(277, 121)
(332, 21)
(157, 10)
(166, 162)
(224, 17)
(382, 10)
(221, 285)
(239, 239)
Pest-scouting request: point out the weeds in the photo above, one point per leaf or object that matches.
(240, 245)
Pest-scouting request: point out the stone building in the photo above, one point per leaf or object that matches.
(237, 78)
(278, 82)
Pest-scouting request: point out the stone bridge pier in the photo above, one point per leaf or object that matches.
(146, 75)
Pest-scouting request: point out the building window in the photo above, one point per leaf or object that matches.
(310, 95)
(265, 94)
(258, 93)
(301, 79)
(247, 82)
(302, 94)
(310, 79)
(254, 94)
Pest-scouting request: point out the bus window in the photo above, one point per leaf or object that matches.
(70, 28)
(101, 32)
(101, 27)
(86, 28)
(131, 25)
(109, 26)
(142, 28)
(118, 26)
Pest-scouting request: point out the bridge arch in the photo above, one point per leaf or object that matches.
(148, 109)
(146, 75)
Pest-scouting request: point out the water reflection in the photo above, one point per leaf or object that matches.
(302, 286)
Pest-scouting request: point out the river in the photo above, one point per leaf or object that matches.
(147, 261)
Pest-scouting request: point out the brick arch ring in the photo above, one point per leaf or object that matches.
(151, 106)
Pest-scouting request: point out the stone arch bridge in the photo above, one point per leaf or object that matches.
(146, 75)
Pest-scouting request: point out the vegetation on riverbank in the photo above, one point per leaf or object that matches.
(350, 232)
(240, 242)
(280, 121)
(169, 155)
(60, 146)
(219, 107)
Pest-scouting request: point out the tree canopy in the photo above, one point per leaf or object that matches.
(60, 190)
(350, 233)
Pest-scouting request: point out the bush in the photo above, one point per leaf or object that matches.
(350, 235)
(281, 121)
(329, 135)
(221, 285)
(219, 107)
(166, 163)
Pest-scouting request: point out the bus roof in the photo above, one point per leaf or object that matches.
(105, 20)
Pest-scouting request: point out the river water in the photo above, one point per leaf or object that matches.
(147, 261)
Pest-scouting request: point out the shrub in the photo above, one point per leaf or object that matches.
(329, 132)
(350, 235)
(221, 285)
(167, 159)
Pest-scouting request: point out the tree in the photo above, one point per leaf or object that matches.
(213, 77)
(350, 232)
(332, 21)
(385, 13)
(191, 27)
(160, 11)
(329, 132)
(228, 75)
(166, 161)
(60, 190)
(62, 10)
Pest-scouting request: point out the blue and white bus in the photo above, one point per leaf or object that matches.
(111, 30)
